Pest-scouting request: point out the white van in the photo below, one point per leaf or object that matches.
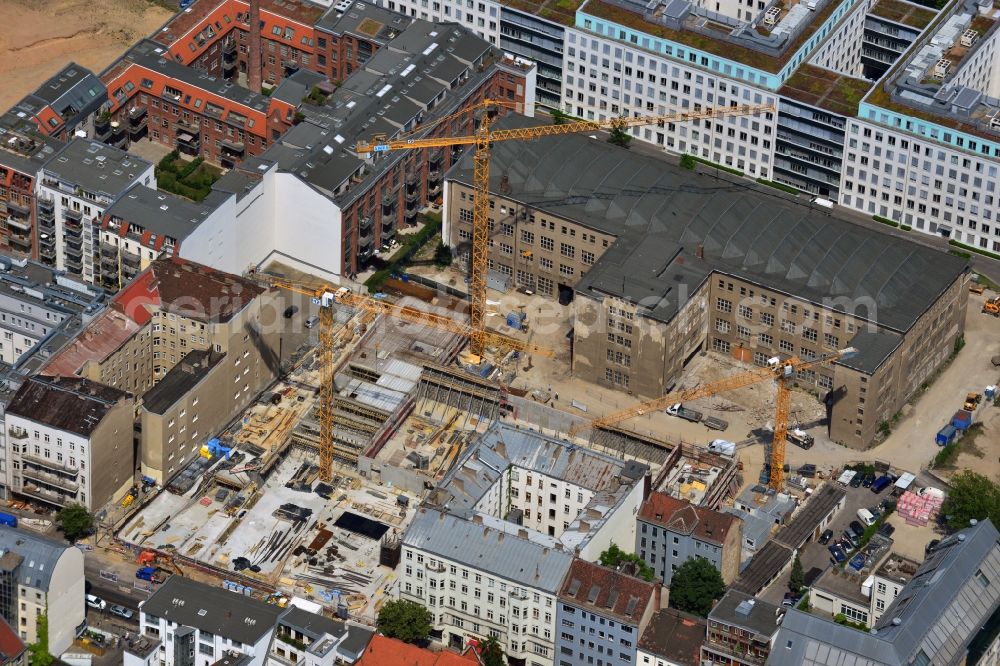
(866, 517)
(96, 602)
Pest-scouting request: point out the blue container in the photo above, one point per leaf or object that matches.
(946, 435)
(962, 420)
(8, 519)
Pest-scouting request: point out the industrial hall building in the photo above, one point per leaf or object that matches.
(659, 263)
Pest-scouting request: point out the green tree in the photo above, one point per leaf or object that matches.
(688, 161)
(491, 652)
(558, 117)
(972, 496)
(695, 585)
(408, 621)
(40, 651)
(74, 520)
(798, 578)
(442, 255)
(614, 557)
(620, 137)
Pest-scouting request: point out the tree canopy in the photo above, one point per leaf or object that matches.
(798, 578)
(491, 652)
(695, 585)
(972, 496)
(614, 557)
(408, 621)
(620, 137)
(75, 521)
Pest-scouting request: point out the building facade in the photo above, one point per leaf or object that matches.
(602, 613)
(41, 576)
(741, 630)
(69, 440)
(670, 532)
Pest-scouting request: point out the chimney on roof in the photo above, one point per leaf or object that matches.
(477, 519)
(254, 59)
(700, 252)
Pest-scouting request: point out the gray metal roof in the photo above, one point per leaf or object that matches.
(805, 521)
(74, 93)
(96, 167)
(744, 611)
(212, 609)
(938, 612)
(502, 553)
(160, 213)
(40, 555)
(874, 347)
(662, 214)
(380, 25)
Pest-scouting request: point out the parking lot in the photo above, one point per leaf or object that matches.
(815, 557)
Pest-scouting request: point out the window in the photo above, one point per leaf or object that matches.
(831, 341)
(566, 270)
(720, 345)
(765, 339)
(746, 312)
(722, 326)
(767, 319)
(722, 305)
(547, 243)
(567, 250)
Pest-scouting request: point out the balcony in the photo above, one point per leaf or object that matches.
(17, 433)
(410, 216)
(434, 189)
(74, 215)
(48, 255)
(19, 223)
(54, 498)
(49, 480)
(21, 242)
(188, 143)
(132, 260)
(74, 266)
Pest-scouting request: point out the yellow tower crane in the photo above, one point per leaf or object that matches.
(483, 138)
(779, 371)
(327, 297)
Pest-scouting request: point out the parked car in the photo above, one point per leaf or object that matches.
(825, 537)
(881, 483)
(857, 528)
(856, 481)
(837, 553)
(808, 470)
(290, 311)
(886, 529)
(791, 599)
(312, 321)
(868, 480)
(122, 612)
(96, 602)
(849, 541)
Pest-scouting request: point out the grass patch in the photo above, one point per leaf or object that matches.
(906, 227)
(778, 186)
(970, 248)
(946, 456)
(967, 443)
(410, 244)
(192, 180)
(721, 167)
(886, 221)
(840, 618)
(804, 603)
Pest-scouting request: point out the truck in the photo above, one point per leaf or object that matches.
(992, 306)
(946, 435)
(972, 401)
(713, 423)
(152, 574)
(722, 447)
(962, 420)
(800, 438)
(8, 519)
(683, 412)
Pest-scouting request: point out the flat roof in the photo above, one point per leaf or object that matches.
(676, 227)
(158, 212)
(874, 347)
(675, 636)
(96, 167)
(843, 584)
(557, 11)
(906, 13)
(826, 89)
(184, 376)
(722, 45)
(72, 404)
(742, 610)
(805, 521)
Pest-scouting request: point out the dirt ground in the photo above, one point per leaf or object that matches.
(40, 38)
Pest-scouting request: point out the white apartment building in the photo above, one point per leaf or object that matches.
(479, 16)
(489, 552)
(39, 575)
(606, 78)
(186, 623)
(79, 183)
(69, 440)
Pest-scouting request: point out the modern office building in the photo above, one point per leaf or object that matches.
(38, 576)
(489, 551)
(738, 270)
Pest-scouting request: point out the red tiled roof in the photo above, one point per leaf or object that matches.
(607, 591)
(685, 518)
(10, 645)
(106, 333)
(384, 651)
(187, 289)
